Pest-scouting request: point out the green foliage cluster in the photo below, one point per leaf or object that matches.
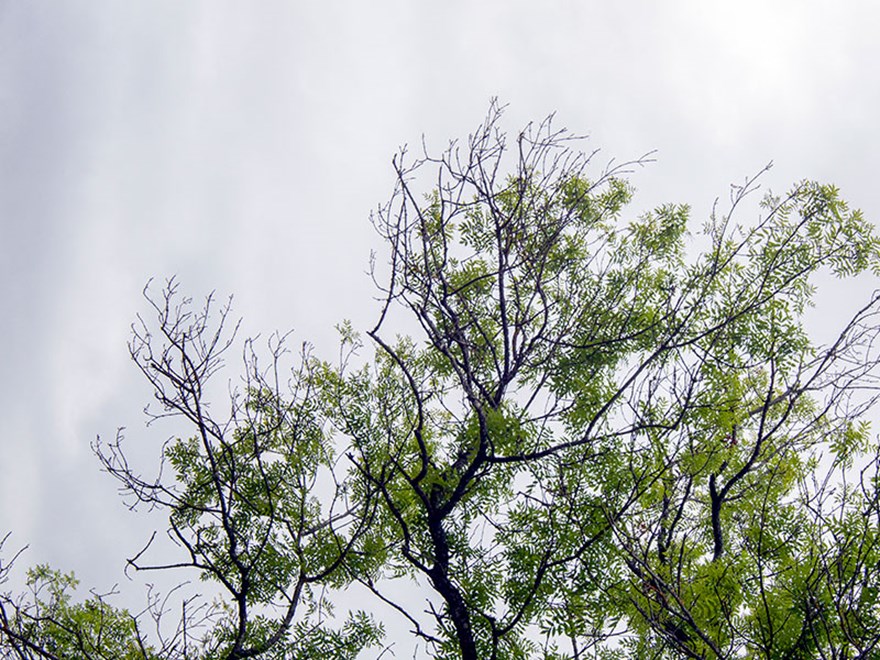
(51, 625)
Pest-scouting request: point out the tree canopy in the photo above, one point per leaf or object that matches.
(573, 432)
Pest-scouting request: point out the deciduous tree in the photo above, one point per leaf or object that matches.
(580, 433)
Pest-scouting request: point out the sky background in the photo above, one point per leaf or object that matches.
(241, 147)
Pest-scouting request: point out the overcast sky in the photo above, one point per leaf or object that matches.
(241, 146)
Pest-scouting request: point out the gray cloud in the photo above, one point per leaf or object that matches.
(243, 149)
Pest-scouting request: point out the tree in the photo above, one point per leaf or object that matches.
(600, 437)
